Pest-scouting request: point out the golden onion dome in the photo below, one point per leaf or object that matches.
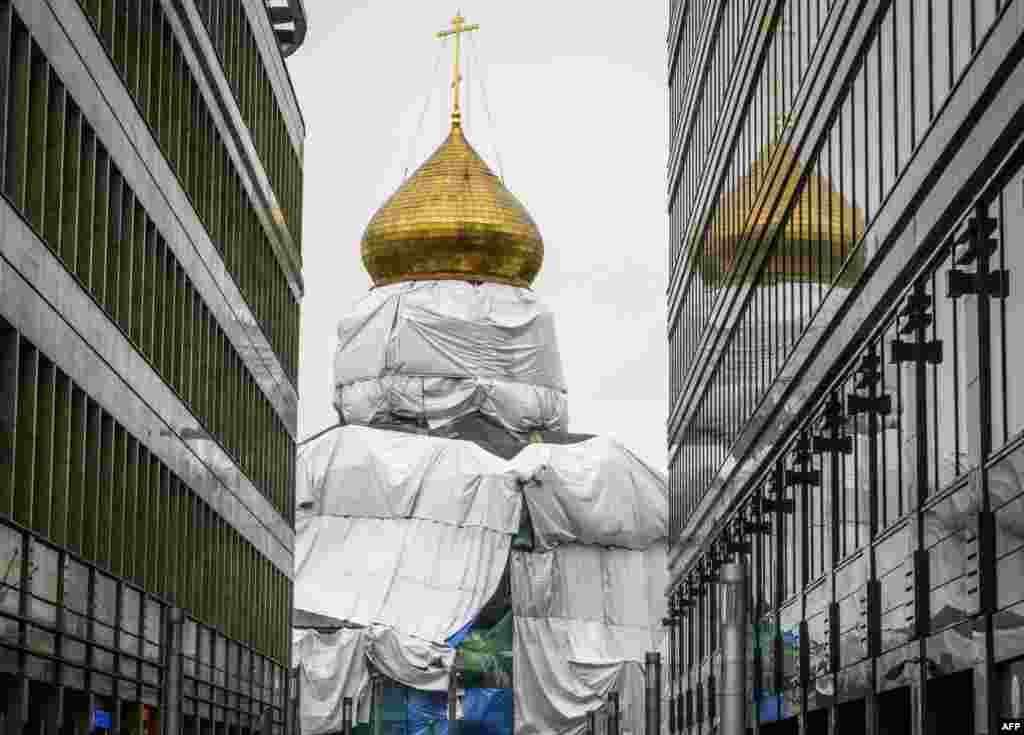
(453, 219)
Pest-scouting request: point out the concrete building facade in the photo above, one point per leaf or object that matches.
(150, 280)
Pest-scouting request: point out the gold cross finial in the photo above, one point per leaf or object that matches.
(458, 28)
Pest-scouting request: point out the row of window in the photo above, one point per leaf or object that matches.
(144, 49)
(79, 627)
(712, 256)
(881, 465)
(60, 177)
(233, 38)
(910, 66)
(76, 477)
(225, 682)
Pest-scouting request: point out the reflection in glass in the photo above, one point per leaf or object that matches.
(1008, 315)
(10, 565)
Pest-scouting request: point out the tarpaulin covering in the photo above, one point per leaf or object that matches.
(585, 616)
(593, 492)
(409, 535)
(443, 349)
(332, 667)
(355, 471)
(487, 712)
(427, 713)
(421, 577)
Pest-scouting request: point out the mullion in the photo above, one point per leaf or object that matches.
(86, 210)
(118, 490)
(101, 225)
(9, 383)
(129, 253)
(132, 516)
(62, 459)
(18, 86)
(104, 547)
(6, 49)
(25, 421)
(114, 244)
(38, 115)
(55, 195)
(42, 479)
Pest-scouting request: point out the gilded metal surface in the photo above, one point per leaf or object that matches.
(453, 219)
(458, 28)
(816, 240)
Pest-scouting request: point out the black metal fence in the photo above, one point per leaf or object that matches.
(606, 720)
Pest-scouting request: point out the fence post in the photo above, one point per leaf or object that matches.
(294, 703)
(734, 655)
(652, 676)
(346, 716)
(171, 719)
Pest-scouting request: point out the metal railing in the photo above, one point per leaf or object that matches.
(606, 719)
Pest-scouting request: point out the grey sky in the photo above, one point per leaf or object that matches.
(577, 94)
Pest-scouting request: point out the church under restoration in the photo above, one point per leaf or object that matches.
(459, 553)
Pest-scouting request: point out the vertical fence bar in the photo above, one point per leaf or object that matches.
(652, 691)
(346, 716)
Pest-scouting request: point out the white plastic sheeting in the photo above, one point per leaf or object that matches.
(594, 492)
(585, 616)
(409, 535)
(361, 472)
(443, 349)
(421, 577)
(334, 666)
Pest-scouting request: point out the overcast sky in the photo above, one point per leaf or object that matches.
(577, 96)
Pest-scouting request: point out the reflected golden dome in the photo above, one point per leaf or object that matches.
(817, 238)
(453, 219)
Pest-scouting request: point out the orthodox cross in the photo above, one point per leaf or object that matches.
(458, 28)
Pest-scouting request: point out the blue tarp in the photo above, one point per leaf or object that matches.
(428, 712)
(412, 712)
(770, 708)
(460, 635)
(487, 712)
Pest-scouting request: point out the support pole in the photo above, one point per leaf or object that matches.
(171, 719)
(734, 654)
(652, 705)
(346, 716)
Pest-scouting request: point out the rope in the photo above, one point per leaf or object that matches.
(469, 94)
(446, 95)
(411, 158)
(487, 109)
